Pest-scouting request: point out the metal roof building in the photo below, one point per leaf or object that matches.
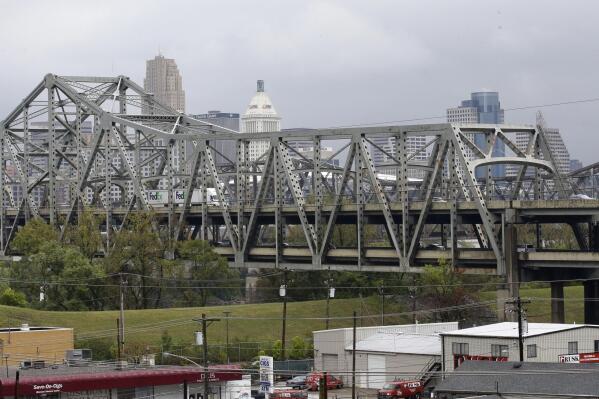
(516, 380)
(383, 353)
(543, 342)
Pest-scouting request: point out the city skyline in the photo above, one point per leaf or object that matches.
(221, 58)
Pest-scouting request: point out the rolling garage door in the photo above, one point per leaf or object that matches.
(329, 363)
(376, 371)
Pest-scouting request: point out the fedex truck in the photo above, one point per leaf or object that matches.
(160, 197)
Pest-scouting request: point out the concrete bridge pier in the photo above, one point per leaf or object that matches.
(591, 301)
(512, 269)
(558, 314)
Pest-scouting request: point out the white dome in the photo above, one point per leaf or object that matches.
(260, 105)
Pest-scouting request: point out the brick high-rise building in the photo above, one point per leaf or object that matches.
(164, 81)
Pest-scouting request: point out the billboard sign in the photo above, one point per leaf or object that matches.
(267, 380)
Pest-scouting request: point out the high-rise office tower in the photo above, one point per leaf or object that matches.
(558, 148)
(260, 116)
(383, 149)
(226, 148)
(482, 107)
(575, 164)
(164, 81)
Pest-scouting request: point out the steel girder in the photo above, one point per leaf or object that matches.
(107, 145)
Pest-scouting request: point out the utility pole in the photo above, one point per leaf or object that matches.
(121, 325)
(413, 297)
(353, 360)
(227, 313)
(330, 294)
(206, 375)
(283, 293)
(382, 292)
(517, 303)
(118, 339)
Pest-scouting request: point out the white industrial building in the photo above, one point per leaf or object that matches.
(542, 342)
(383, 353)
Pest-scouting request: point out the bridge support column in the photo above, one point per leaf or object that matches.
(512, 269)
(557, 302)
(591, 301)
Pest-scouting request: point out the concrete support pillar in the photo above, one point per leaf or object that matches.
(502, 295)
(557, 302)
(511, 265)
(591, 302)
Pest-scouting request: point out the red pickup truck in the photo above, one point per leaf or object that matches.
(401, 389)
(313, 380)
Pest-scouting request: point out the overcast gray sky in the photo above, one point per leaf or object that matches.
(325, 63)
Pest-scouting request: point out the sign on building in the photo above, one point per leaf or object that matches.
(568, 358)
(591, 357)
(267, 379)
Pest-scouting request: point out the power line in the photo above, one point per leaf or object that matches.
(425, 118)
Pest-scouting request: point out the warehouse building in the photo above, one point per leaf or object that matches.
(542, 342)
(515, 380)
(382, 352)
(396, 356)
(35, 345)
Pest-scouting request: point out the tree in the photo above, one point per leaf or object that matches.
(30, 238)
(11, 297)
(59, 273)
(138, 251)
(277, 350)
(298, 349)
(208, 270)
(86, 234)
(443, 287)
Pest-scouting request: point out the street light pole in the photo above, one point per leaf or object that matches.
(205, 322)
(330, 294)
(227, 313)
(283, 293)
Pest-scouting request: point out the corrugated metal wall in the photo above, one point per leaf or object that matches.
(549, 346)
(334, 342)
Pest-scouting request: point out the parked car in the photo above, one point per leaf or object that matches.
(401, 389)
(286, 393)
(298, 382)
(313, 380)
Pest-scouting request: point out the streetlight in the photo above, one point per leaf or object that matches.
(330, 295)
(167, 354)
(185, 393)
(227, 313)
(283, 294)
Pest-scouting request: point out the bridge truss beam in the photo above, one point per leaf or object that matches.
(104, 144)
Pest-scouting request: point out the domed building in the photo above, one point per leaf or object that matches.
(260, 116)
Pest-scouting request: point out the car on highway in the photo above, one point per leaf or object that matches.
(313, 381)
(580, 197)
(297, 382)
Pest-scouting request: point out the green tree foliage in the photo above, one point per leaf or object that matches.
(443, 287)
(32, 236)
(299, 349)
(11, 297)
(86, 234)
(207, 270)
(277, 350)
(55, 271)
(138, 251)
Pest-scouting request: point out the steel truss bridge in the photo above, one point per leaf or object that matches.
(104, 144)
